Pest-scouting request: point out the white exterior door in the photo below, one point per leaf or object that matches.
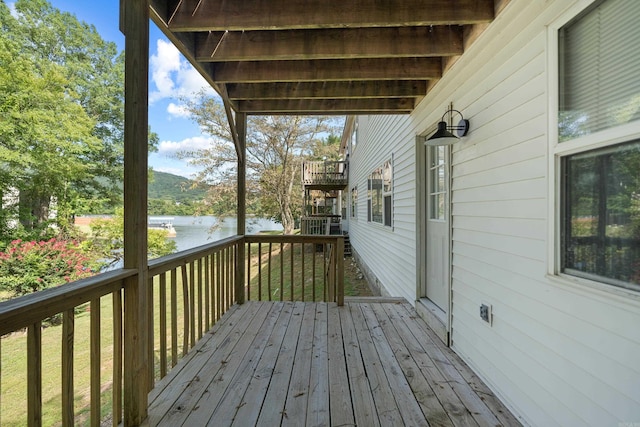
(437, 227)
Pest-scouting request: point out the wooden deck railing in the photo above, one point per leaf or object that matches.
(70, 302)
(325, 173)
(318, 224)
(188, 293)
(295, 268)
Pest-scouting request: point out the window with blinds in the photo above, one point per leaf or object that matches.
(599, 69)
(599, 65)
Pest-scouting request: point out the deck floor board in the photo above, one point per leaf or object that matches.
(365, 364)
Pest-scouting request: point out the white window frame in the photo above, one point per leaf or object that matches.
(384, 194)
(354, 202)
(354, 136)
(557, 151)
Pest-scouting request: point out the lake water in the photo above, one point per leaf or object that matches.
(199, 230)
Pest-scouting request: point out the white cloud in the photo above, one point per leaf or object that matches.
(170, 148)
(178, 110)
(172, 75)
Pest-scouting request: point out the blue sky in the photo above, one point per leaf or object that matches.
(170, 76)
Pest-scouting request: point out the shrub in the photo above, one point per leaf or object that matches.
(29, 266)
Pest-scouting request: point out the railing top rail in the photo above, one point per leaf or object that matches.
(169, 262)
(292, 238)
(21, 312)
(324, 162)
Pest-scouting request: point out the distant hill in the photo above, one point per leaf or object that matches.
(166, 186)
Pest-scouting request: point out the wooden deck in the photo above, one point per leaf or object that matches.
(313, 364)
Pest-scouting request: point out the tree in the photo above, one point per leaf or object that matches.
(276, 146)
(62, 112)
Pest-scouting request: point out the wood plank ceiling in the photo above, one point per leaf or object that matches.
(322, 56)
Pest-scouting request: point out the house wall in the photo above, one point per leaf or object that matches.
(387, 252)
(558, 353)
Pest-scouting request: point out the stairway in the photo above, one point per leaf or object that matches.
(347, 245)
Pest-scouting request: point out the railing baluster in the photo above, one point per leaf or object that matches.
(200, 299)
(68, 322)
(229, 277)
(248, 261)
(269, 272)
(234, 274)
(302, 270)
(186, 313)
(325, 272)
(94, 361)
(212, 278)
(223, 281)
(174, 317)
(117, 357)
(292, 247)
(313, 270)
(192, 303)
(219, 291)
(281, 271)
(34, 374)
(259, 271)
(163, 325)
(150, 332)
(207, 285)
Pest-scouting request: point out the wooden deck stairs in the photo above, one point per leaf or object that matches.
(347, 245)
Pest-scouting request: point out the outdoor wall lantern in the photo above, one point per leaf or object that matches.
(447, 133)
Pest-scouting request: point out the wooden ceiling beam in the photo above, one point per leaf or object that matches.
(335, 90)
(221, 15)
(329, 44)
(327, 70)
(328, 106)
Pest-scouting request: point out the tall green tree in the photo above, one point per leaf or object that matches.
(276, 146)
(62, 112)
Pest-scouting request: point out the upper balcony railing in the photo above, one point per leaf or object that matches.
(320, 224)
(333, 174)
(95, 346)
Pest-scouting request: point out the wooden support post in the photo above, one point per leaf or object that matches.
(136, 304)
(241, 127)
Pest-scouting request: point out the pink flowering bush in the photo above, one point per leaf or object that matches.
(26, 267)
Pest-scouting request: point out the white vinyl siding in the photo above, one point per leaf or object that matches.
(557, 353)
(385, 248)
